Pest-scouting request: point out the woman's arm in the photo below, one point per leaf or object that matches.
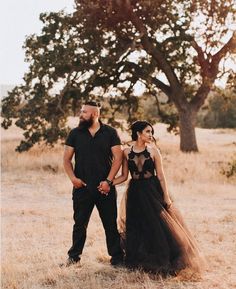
(161, 175)
(124, 171)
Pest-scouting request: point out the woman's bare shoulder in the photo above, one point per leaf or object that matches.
(154, 150)
(126, 151)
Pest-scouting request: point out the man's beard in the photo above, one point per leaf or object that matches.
(86, 123)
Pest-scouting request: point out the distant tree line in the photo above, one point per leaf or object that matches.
(218, 112)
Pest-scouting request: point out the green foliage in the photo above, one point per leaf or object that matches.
(221, 113)
(221, 109)
(148, 108)
(97, 51)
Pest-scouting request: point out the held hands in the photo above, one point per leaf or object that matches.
(104, 187)
(78, 183)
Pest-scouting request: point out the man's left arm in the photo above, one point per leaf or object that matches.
(105, 185)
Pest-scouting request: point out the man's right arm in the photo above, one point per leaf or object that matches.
(67, 162)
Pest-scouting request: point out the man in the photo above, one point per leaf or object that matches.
(98, 156)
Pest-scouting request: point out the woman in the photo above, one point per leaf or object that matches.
(154, 235)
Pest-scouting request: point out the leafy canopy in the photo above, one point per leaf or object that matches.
(100, 51)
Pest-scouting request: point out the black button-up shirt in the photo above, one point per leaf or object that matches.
(93, 155)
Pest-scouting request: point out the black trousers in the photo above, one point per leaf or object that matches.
(84, 201)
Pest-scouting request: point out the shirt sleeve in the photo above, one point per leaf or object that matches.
(70, 141)
(115, 139)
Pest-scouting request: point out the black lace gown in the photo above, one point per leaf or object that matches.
(155, 238)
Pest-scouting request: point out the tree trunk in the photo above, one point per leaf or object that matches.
(187, 121)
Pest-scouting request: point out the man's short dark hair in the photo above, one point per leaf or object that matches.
(93, 103)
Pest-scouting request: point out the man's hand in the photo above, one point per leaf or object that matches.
(104, 188)
(78, 183)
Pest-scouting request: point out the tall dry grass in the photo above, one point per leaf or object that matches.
(37, 217)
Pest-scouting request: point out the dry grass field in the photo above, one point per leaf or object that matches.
(37, 217)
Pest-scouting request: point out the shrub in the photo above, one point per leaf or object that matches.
(220, 111)
(230, 170)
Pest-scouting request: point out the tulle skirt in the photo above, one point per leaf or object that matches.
(154, 237)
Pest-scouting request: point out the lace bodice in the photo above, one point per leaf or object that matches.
(141, 165)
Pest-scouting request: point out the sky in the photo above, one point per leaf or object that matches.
(19, 18)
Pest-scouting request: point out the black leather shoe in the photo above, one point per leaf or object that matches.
(117, 262)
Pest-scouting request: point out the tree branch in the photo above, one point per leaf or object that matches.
(210, 70)
(128, 15)
(203, 63)
(230, 46)
(141, 74)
